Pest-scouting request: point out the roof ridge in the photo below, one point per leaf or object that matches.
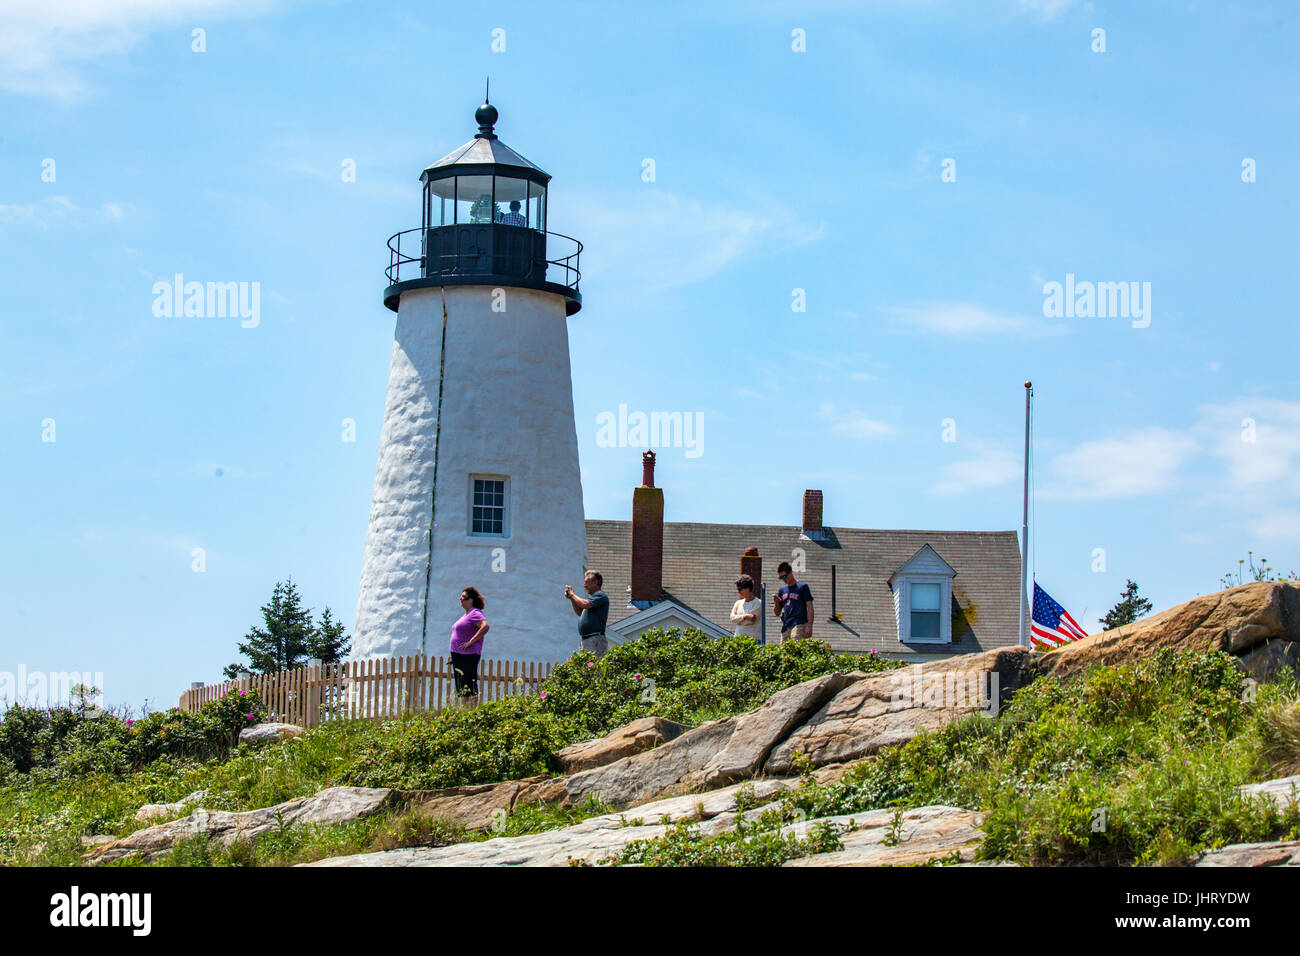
(795, 527)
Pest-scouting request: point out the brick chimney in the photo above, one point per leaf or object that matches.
(752, 564)
(647, 535)
(812, 510)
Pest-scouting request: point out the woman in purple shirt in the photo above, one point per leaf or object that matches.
(467, 644)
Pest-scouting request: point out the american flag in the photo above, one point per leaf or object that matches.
(1052, 625)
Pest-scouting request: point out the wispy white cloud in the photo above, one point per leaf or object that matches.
(988, 467)
(1134, 463)
(323, 163)
(55, 210)
(1258, 440)
(1254, 441)
(1042, 9)
(969, 319)
(1279, 524)
(836, 365)
(45, 46)
(853, 423)
(1047, 9)
(651, 235)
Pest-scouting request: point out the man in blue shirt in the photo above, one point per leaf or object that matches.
(593, 611)
(793, 604)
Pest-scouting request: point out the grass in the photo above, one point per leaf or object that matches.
(1137, 764)
(1280, 740)
(80, 782)
(758, 839)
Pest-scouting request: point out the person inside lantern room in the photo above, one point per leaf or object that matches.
(793, 604)
(467, 644)
(744, 613)
(514, 217)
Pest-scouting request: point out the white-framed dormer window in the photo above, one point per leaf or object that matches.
(489, 506)
(926, 609)
(923, 599)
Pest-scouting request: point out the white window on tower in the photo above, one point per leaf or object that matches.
(489, 510)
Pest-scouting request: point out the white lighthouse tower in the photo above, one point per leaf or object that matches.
(478, 482)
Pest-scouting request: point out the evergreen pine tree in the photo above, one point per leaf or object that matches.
(284, 641)
(329, 641)
(1130, 607)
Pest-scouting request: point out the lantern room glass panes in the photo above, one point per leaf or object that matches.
(464, 199)
(485, 199)
(474, 200)
(511, 194)
(537, 207)
(442, 202)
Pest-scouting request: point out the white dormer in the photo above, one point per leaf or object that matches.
(662, 614)
(923, 598)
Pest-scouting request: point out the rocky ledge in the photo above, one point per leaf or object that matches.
(653, 768)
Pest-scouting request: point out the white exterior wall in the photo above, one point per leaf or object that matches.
(507, 410)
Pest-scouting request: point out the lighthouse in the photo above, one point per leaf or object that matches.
(478, 482)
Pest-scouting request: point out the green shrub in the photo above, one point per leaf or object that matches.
(690, 678)
(67, 742)
(535, 818)
(501, 740)
(687, 677)
(757, 842)
(1132, 764)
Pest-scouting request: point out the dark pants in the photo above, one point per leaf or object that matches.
(465, 667)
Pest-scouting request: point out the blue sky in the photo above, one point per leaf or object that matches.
(775, 170)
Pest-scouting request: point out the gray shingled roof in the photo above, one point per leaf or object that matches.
(702, 561)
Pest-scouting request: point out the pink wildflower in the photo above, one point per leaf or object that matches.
(637, 677)
(543, 695)
(591, 663)
(250, 716)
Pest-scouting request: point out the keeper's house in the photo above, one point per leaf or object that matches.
(916, 595)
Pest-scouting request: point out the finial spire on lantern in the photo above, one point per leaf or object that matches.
(486, 115)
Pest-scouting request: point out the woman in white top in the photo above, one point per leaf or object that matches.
(744, 614)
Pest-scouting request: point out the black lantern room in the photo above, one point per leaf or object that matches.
(484, 223)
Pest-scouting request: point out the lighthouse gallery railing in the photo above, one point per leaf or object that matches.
(408, 259)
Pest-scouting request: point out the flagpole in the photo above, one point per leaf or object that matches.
(1024, 524)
